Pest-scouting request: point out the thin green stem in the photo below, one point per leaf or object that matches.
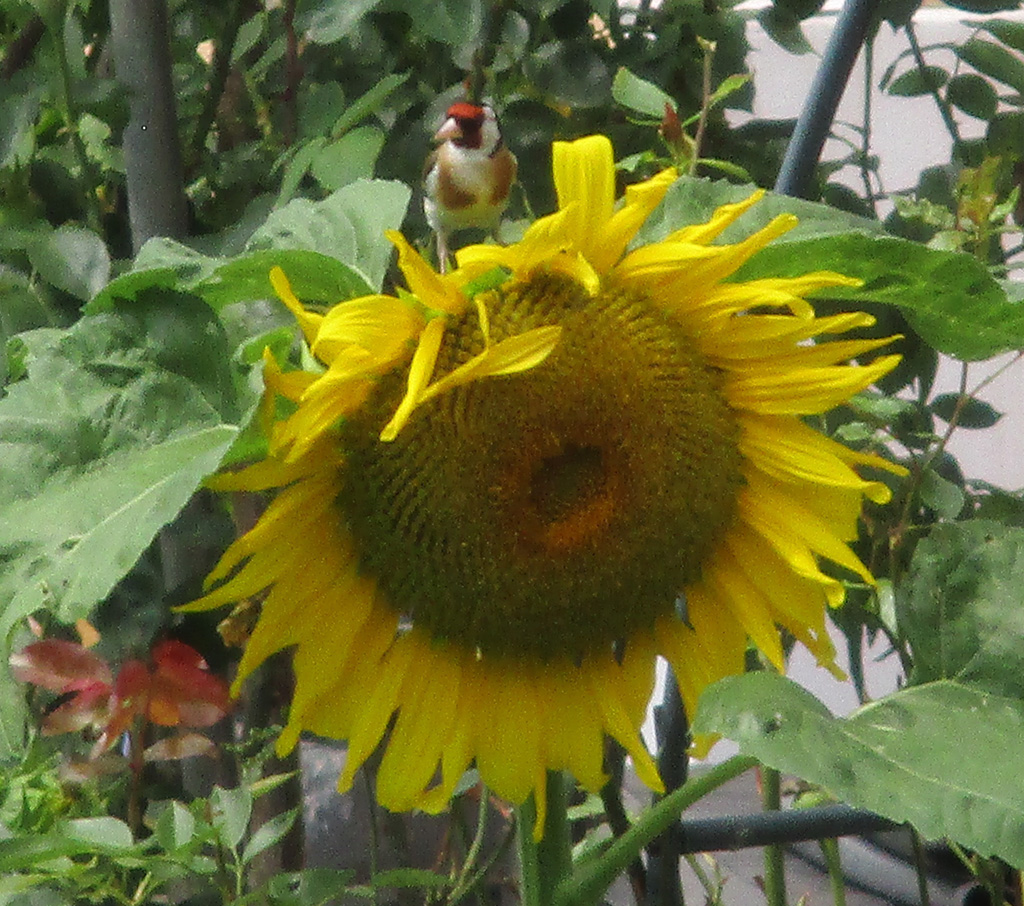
(529, 868)
(944, 111)
(463, 884)
(498, 852)
(708, 50)
(865, 132)
(554, 851)
(830, 850)
(919, 866)
(774, 863)
(371, 800)
(592, 877)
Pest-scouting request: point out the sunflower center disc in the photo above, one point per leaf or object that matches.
(558, 510)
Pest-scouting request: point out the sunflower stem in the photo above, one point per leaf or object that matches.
(545, 863)
(593, 876)
(774, 866)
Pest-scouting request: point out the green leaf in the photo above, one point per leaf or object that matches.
(161, 264)
(351, 157)
(949, 298)
(314, 278)
(918, 81)
(903, 757)
(691, 200)
(116, 424)
(638, 94)
(974, 413)
(993, 60)
(784, 30)
(941, 495)
(959, 606)
(106, 833)
(1009, 32)
(368, 103)
(311, 887)
(327, 21)
(175, 828)
(1005, 133)
(266, 835)
(402, 877)
(72, 259)
(984, 6)
(348, 225)
(231, 810)
(19, 109)
(973, 94)
(455, 23)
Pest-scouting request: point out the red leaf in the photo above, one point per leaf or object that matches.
(59, 665)
(130, 699)
(90, 706)
(184, 686)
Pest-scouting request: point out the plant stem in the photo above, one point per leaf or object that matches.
(830, 850)
(467, 876)
(922, 877)
(546, 862)
(708, 51)
(774, 863)
(529, 869)
(592, 877)
(933, 88)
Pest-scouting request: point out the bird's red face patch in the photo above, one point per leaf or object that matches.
(463, 110)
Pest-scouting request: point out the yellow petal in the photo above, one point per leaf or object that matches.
(510, 356)
(309, 321)
(420, 370)
(790, 450)
(509, 749)
(584, 173)
(376, 329)
(724, 216)
(641, 199)
(804, 391)
(429, 287)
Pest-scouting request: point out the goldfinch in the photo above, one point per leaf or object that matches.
(468, 176)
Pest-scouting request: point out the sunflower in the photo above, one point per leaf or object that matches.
(509, 489)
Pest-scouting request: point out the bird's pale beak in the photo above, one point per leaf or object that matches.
(450, 130)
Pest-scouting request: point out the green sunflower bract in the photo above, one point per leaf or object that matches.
(489, 505)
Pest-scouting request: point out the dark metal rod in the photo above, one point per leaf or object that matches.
(815, 121)
(152, 158)
(734, 832)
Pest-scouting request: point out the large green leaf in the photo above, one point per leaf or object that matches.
(950, 298)
(119, 419)
(348, 224)
(944, 756)
(960, 608)
(690, 200)
(332, 250)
